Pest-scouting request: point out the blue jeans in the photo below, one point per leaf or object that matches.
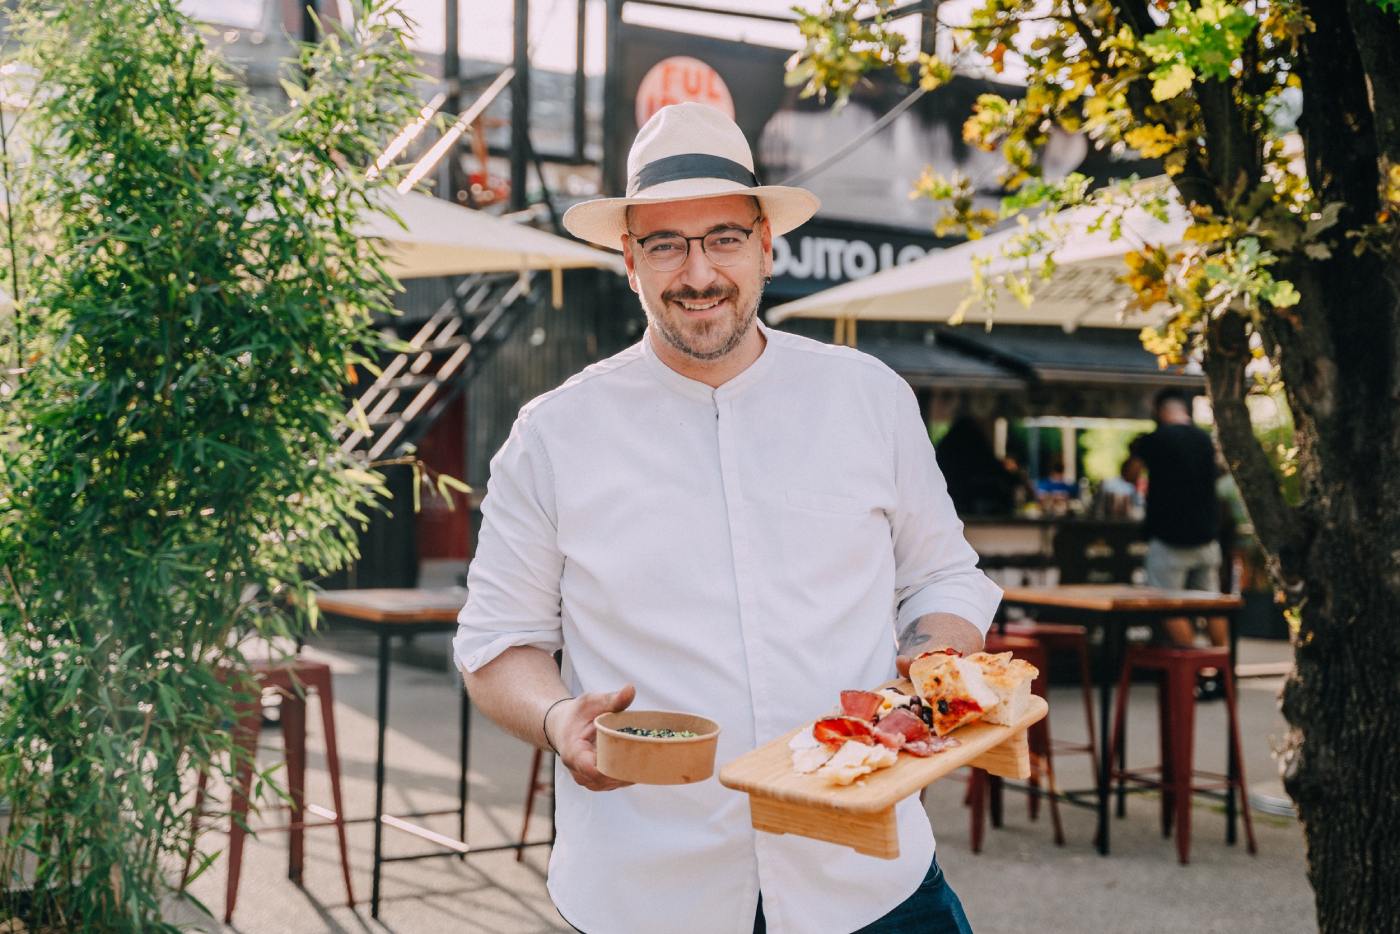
(934, 908)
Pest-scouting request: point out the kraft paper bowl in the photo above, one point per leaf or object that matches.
(651, 760)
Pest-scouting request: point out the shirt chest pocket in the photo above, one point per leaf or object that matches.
(827, 503)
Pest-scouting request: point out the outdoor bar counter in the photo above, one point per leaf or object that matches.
(1088, 549)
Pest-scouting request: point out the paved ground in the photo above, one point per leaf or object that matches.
(1019, 883)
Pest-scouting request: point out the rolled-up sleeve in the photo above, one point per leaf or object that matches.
(935, 568)
(513, 583)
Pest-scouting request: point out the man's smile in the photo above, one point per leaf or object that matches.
(697, 308)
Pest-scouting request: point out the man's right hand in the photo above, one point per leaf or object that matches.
(569, 726)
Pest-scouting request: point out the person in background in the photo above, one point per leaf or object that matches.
(1022, 489)
(1232, 518)
(1119, 498)
(1183, 514)
(1053, 490)
(978, 482)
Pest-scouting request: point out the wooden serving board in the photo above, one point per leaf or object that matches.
(861, 815)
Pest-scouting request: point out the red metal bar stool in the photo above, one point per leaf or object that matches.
(1066, 638)
(1175, 777)
(535, 787)
(293, 679)
(984, 792)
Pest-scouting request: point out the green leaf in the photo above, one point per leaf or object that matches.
(453, 483)
(799, 74)
(1170, 80)
(364, 477)
(1280, 294)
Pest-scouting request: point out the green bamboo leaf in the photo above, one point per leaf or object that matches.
(361, 420)
(453, 483)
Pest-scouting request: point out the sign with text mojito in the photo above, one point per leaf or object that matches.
(820, 254)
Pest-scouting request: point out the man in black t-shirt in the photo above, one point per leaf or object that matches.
(1183, 551)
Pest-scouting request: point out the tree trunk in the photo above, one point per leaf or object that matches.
(1343, 703)
(1337, 555)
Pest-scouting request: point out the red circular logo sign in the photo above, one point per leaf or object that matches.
(682, 78)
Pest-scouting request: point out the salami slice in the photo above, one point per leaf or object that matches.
(903, 723)
(891, 740)
(898, 728)
(860, 704)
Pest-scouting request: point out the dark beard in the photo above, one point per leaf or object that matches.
(678, 341)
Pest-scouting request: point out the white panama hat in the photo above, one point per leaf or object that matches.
(687, 151)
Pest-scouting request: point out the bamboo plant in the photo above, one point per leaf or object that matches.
(194, 298)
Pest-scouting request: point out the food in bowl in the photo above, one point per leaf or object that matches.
(657, 734)
(656, 747)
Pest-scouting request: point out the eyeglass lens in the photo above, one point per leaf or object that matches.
(721, 246)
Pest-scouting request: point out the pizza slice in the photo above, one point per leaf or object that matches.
(1011, 679)
(953, 687)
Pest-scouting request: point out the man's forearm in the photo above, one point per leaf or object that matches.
(515, 689)
(939, 631)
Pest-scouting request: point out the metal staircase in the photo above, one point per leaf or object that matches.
(443, 354)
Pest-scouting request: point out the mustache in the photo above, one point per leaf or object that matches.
(713, 293)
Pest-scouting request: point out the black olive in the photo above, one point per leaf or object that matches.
(943, 707)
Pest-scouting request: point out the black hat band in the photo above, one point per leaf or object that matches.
(690, 165)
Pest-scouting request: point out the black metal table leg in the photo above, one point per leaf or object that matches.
(464, 750)
(1113, 636)
(1232, 770)
(1121, 753)
(382, 708)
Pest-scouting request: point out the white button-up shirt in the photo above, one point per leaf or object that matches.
(744, 553)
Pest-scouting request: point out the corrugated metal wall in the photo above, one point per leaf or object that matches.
(599, 317)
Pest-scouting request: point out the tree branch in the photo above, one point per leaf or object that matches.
(1232, 148)
(1280, 527)
(1138, 17)
(1377, 37)
(1194, 182)
(1234, 144)
(1337, 128)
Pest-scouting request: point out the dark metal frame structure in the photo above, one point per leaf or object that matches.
(385, 632)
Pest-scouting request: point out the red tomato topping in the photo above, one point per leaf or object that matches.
(959, 707)
(834, 731)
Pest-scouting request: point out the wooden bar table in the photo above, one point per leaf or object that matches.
(1113, 608)
(401, 613)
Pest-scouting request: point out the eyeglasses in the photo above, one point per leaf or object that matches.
(723, 246)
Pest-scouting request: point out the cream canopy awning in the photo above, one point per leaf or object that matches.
(438, 238)
(1084, 291)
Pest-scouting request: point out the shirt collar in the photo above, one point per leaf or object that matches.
(698, 390)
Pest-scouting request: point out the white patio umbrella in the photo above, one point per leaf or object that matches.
(439, 238)
(1084, 291)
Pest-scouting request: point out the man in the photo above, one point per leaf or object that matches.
(724, 520)
(1183, 551)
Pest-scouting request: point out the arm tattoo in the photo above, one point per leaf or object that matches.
(912, 639)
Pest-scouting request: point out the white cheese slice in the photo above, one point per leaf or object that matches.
(808, 755)
(890, 699)
(977, 687)
(855, 759)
